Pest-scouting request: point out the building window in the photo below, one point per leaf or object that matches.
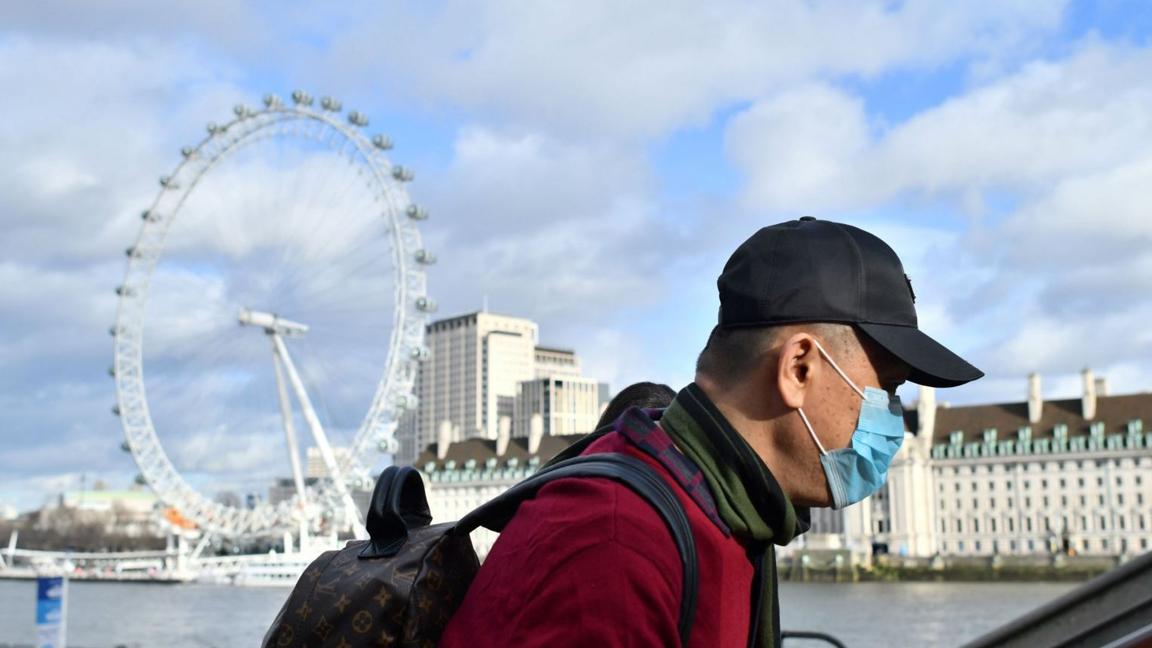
(1119, 480)
(1120, 520)
(1008, 485)
(943, 527)
(991, 502)
(975, 504)
(1012, 546)
(1047, 524)
(1045, 500)
(1080, 481)
(1009, 502)
(992, 525)
(1011, 525)
(957, 487)
(991, 485)
(1043, 483)
(1104, 544)
(1100, 499)
(1099, 481)
(1031, 545)
(960, 546)
(1062, 484)
(944, 547)
(1120, 499)
(1026, 484)
(1027, 502)
(1103, 523)
(1140, 499)
(1028, 524)
(1138, 480)
(976, 528)
(1083, 522)
(1063, 500)
(1083, 501)
(977, 543)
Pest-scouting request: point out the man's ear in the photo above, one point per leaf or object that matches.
(794, 371)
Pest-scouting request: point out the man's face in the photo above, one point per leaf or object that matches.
(833, 407)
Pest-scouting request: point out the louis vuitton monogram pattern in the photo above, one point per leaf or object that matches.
(404, 601)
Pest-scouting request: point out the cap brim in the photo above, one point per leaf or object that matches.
(931, 362)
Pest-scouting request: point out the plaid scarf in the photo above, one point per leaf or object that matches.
(748, 498)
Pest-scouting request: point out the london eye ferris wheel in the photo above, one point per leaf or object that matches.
(271, 318)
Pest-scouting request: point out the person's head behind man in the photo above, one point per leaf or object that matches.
(641, 394)
(812, 315)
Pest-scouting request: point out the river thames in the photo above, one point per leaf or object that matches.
(862, 615)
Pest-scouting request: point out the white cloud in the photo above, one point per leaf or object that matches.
(526, 218)
(646, 68)
(800, 147)
(812, 147)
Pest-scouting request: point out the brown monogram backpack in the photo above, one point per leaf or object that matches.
(401, 587)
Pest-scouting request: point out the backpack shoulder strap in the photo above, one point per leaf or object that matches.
(630, 471)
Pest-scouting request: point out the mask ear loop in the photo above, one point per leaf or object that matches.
(808, 425)
(804, 417)
(838, 369)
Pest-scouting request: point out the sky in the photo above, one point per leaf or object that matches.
(590, 166)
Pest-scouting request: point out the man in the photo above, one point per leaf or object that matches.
(793, 406)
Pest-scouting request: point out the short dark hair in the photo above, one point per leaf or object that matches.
(731, 353)
(641, 394)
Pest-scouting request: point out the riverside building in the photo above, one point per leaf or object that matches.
(485, 371)
(1032, 477)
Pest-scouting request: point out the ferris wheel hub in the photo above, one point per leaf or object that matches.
(272, 324)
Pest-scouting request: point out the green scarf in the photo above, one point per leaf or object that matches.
(748, 498)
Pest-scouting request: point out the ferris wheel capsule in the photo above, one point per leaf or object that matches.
(388, 445)
(357, 118)
(382, 142)
(403, 174)
(301, 98)
(330, 104)
(416, 212)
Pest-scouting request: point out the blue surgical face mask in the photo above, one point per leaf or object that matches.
(860, 470)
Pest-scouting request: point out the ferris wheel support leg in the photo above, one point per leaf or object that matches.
(289, 428)
(204, 540)
(318, 434)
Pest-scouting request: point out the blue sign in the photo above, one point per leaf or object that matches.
(51, 593)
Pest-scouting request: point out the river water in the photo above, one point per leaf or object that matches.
(862, 615)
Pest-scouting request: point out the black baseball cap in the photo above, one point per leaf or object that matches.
(810, 270)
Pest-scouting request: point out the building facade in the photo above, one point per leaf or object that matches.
(1066, 476)
(484, 371)
(565, 405)
(470, 378)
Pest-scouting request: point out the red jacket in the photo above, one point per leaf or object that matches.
(590, 563)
